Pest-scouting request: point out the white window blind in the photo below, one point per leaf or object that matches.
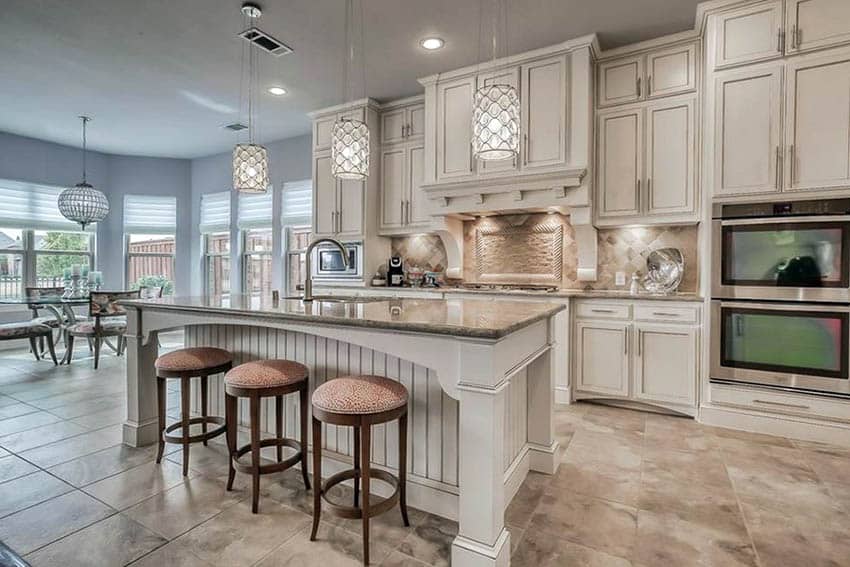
(297, 206)
(148, 214)
(215, 212)
(32, 206)
(255, 210)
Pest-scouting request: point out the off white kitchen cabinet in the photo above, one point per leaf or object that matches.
(350, 218)
(322, 132)
(620, 80)
(749, 34)
(818, 121)
(620, 157)
(748, 142)
(454, 129)
(602, 357)
(665, 367)
(670, 157)
(403, 206)
(816, 24)
(509, 76)
(338, 208)
(657, 73)
(417, 209)
(402, 123)
(544, 113)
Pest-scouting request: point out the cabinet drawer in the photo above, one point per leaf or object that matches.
(662, 312)
(603, 311)
(780, 402)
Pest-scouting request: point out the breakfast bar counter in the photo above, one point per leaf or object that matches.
(479, 375)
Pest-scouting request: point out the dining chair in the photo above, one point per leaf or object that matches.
(36, 298)
(106, 319)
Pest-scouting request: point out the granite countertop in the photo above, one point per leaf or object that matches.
(475, 318)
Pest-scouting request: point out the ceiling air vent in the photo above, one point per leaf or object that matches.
(236, 127)
(265, 42)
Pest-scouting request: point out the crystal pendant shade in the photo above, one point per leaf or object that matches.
(250, 168)
(350, 149)
(83, 204)
(495, 123)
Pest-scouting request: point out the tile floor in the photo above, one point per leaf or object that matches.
(633, 489)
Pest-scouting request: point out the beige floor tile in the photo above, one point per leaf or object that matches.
(15, 409)
(35, 527)
(542, 550)
(12, 467)
(101, 419)
(526, 500)
(170, 555)
(615, 418)
(179, 509)
(703, 468)
(6, 401)
(692, 502)
(431, 541)
(236, 537)
(29, 490)
(677, 433)
(398, 559)
(38, 436)
(598, 524)
(116, 540)
(334, 545)
(599, 480)
(134, 485)
(623, 449)
(780, 543)
(27, 421)
(97, 466)
(829, 468)
(73, 447)
(668, 540)
(89, 406)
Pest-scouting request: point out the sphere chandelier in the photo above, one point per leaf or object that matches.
(82, 203)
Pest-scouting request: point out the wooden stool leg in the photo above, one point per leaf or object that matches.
(365, 460)
(160, 402)
(255, 452)
(232, 420)
(402, 467)
(356, 466)
(278, 424)
(317, 476)
(303, 409)
(204, 405)
(184, 417)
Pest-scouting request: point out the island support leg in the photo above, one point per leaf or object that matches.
(482, 539)
(141, 427)
(543, 449)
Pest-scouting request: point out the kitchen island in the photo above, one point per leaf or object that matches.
(480, 378)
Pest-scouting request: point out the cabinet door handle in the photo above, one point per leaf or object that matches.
(794, 38)
(402, 130)
(778, 171)
(780, 404)
(626, 342)
(638, 87)
(649, 85)
(780, 40)
(602, 311)
(663, 314)
(637, 200)
(525, 140)
(639, 337)
(792, 155)
(401, 204)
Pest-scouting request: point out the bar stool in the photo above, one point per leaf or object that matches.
(185, 364)
(360, 402)
(257, 380)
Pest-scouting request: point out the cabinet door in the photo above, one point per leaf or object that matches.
(670, 150)
(392, 187)
(748, 120)
(815, 24)
(324, 197)
(416, 121)
(818, 122)
(322, 130)
(503, 77)
(454, 128)
(671, 71)
(351, 196)
(620, 162)
(602, 361)
(753, 33)
(620, 81)
(417, 210)
(393, 125)
(544, 113)
(665, 363)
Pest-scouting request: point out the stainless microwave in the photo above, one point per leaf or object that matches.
(796, 251)
(328, 263)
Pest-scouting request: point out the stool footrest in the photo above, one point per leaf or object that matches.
(272, 467)
(210, 420)
(376, 508)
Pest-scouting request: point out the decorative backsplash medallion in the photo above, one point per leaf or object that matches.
(516, 248)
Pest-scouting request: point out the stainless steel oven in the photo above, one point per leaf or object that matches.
(328, 264)
(796, 251)
(795, 346)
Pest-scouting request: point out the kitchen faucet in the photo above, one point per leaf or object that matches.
(308, 281)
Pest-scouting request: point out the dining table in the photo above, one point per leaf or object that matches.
(60, 307)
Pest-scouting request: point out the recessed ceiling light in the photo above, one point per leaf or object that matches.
(277, 91)
(432, 43)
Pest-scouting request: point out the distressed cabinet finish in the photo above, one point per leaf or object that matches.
(816, 24)
(544, 113)
(638, 350)
(620, 155)
(454, 129)
(670, 157)
(402, 124)
(658, 73)
(749, 34)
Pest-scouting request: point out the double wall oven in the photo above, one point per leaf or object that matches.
(781, 295)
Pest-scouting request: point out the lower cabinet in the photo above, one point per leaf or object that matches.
(632, 351)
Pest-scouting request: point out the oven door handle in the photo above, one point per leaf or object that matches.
(785, 220)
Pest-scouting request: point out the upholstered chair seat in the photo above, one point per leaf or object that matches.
(107, 327)
(359, 395)
(266, 374)
(193, 358)
(22, 330)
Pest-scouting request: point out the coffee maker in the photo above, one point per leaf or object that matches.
(395, 272)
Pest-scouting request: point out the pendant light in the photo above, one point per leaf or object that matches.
(496, 111)
(250, 161)
(350, 137)
(82, 203)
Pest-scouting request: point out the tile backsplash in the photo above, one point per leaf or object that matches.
(541, 249)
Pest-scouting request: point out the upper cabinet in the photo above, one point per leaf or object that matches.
(454, 128)
(815, 24)
(657, 74)
(544, 113)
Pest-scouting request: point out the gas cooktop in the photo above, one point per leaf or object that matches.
(510, 287)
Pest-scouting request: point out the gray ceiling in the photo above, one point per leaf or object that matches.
(161, 77)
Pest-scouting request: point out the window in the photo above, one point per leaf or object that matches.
(149, 227)
(215, 228)
(297, 204)
(254, 220)
(37, 243)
